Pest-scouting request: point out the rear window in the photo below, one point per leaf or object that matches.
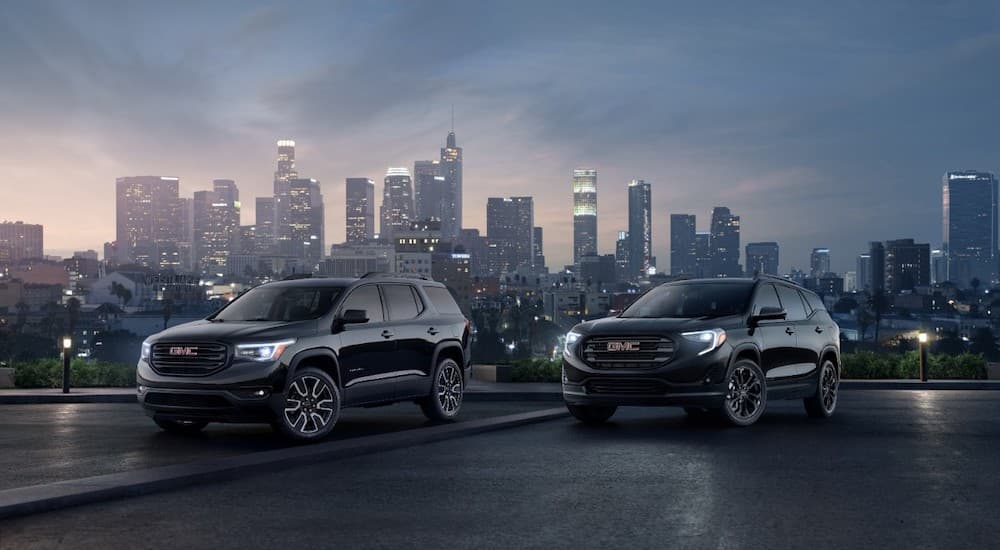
(442, 300)
(402, 302)
(792, 302)
(814, 301)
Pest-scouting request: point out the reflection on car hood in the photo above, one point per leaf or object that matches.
(235, 331)
(632, 325)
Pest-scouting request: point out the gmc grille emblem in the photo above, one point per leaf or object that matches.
(183, 351)
(623, 346)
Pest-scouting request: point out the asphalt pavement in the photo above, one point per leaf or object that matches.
(892, 469)
(55, 442)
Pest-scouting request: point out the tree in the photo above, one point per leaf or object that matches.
(168, 311)
(985, 342)
(123, 294)
(878, 305)
(22, 316)
(864, 319)
(73, 313)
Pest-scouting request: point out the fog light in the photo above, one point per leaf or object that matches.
(260, 393)
(141, 389)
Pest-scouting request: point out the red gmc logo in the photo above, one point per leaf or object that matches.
(623, 346)
(183, 351)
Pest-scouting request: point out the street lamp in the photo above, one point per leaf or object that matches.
(67, 345)
(922, 341)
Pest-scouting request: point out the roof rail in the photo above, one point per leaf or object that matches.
(373, 274)
(775, 278)
(297, 276)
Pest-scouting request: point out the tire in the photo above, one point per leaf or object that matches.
(445, 401)
(746, 394)
(181, 427)
(824, 402)
(311, 406)
(591, 414)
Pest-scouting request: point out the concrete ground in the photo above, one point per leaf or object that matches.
(892, 469)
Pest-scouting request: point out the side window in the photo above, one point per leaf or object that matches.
(442, 300)
(815, 302)
(766, 297)
(366, 298)
(401, 301)
(792, 302)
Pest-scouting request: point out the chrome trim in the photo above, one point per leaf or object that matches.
(797, 369)
(385, 375)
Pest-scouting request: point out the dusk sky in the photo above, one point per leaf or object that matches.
(827, 124)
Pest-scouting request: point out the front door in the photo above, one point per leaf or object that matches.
(777, 337)
(367, 349)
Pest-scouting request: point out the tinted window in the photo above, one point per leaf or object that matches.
(792, 302)
(766, 297)
(280, 303)
(442, 300)
(692, 300)
(366, 298)
(401, 302)
(814, 301)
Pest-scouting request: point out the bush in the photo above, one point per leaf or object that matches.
(47, 373)
(869, 365)
(536, 370)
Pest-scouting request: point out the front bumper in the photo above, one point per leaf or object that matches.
(695, 381)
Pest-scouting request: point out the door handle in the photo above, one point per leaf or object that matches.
(432, 331)
(386, 334)
(819, 330)
(789, 331)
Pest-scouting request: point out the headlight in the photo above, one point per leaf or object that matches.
(144, 354)
(571, 339)
(711, 339)
(262, 352)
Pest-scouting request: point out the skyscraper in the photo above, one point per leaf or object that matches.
(970, 226)
(907, 265)
(762, 258)
(451, 203)
(865, 272)
(305, 218)
(509, 231)
(538, 249)
(20, 241)
(622, 252)
(640, 228)
(725, 243)
(703, 254)
(819, 262)
(683, 255)
(264, 223)
(876, 257)
(216, 226)
(429, 186)
(282, 176)
(360, 217)
(147, 212)
(397, 203)
(584, 213)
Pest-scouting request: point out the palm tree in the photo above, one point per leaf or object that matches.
(123, 294)
(168, 311)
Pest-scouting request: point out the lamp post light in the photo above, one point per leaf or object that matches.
(922, 341)
(67, 346)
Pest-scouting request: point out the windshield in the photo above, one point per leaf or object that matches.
(276, 303)
(687, 301)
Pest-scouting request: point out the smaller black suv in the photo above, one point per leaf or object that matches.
(721, 346)
(293, 353)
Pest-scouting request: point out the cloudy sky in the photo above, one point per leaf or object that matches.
(821, 124)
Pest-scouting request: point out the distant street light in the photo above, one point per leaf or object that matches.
(67, 346)
(922, 340)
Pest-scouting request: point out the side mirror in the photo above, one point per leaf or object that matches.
(768, 313)
(350, 317)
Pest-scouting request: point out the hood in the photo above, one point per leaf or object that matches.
(234, 331)
(622, 325)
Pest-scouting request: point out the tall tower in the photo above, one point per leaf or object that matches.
(216, 226)
(970, 226)
(148, 218)
(819, 262)
(282, 176)
(305, 217)
(397, 203)
(430, 194)
(360, 218)
(451, 203)
(683, 248)
(640, 228)
(584, 213)
(510, 232)
(725, 243)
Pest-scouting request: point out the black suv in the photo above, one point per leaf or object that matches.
(720, 346)
(293, 353)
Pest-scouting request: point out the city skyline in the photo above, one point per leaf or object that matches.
(847, 148)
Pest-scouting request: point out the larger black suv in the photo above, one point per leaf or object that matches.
(293, 353)
(722, 346)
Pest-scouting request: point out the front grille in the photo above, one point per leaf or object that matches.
(632, 352)
(625, 386)
(187, 400)
(188, 359)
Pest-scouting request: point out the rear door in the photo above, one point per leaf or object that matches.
(367, 349)
(414, 340)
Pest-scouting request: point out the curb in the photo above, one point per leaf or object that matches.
(53, 496)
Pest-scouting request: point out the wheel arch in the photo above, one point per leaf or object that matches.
(322, 358)
(451, 349)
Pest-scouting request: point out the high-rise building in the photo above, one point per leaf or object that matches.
(725, 243)
(584, 213)
(876, 256)
(360, 217)
(907, 265)
(864, 277)
(216, 226)
(282, 176)
(475, 245)
(703, 256)
(538, 249)
(683, 253)
(397, 203)
(20, 241)
(640, 228)
(597, 272)
(819, 262)
(970, 226)
(762, 258)
(305, 219)
(509, 231)
(622, 253)
(264, 223)
(939, 266)
(429, 190)
(451, 203)
(148, 212)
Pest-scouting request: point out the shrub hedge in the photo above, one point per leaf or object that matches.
(47, 373)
